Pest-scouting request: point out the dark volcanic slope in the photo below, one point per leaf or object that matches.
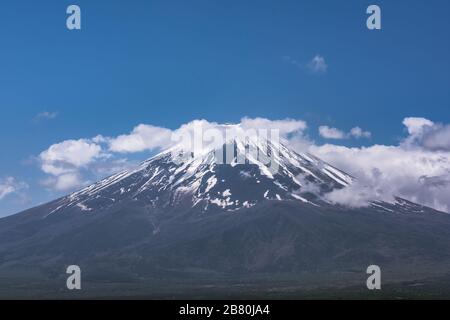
(168, 228)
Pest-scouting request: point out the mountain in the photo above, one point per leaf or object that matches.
(168, 180)
(185, 225)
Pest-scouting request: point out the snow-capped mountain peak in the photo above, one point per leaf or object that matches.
(238, 174)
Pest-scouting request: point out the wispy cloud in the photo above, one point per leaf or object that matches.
(10, 185)
(290, 60)
(318, 65)
(334, 133)
(331, 133)
(45, 115)
(357, 132)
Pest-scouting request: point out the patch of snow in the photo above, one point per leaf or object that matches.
(347, 179)
(381, 207)
(83, 207)
(247, 204)
(211, 183)
(337, 176)
(223, 203)
(296, 196)
(245, 174)
(280, 185)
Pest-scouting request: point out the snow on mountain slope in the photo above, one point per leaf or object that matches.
(167, 181)
(202, 181)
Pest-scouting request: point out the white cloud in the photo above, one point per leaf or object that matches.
(331, 133)
(63, 182)
(143, 137)
(68, 155)
(357, 132)
(437, 138)
(285, 126)
(334, 133)
(427, 134)
(146, 137)
(408, 170)
(368, 187)
(10, 185)
(46, 115)
(67, 181)
(416, 125)
(318, 65)
(63, 161)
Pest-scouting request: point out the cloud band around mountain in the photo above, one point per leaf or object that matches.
(417, 169)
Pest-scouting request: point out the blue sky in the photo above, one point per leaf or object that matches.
(168, 62)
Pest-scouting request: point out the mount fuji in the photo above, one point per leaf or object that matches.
(192, 226)
(208, 183)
